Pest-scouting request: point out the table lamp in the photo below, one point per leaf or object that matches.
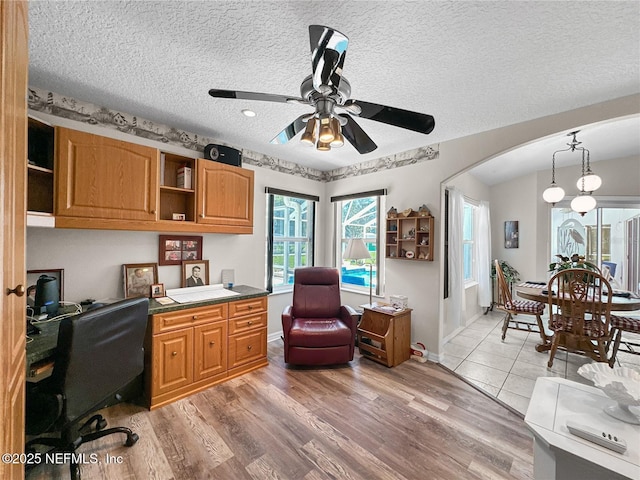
(357, 250)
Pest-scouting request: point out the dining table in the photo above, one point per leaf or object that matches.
(537, 291)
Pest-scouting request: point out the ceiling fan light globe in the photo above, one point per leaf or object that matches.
(309, 136)
(323, 147)
(592, 182)
(307, 139)
(583, 204)
(338, 141)
(326, 132)
(553, 194)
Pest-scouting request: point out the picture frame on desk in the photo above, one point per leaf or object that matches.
(174, 249)
(138, 279)
(195, 273)
(157, 290)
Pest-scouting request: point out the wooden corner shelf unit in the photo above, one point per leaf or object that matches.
(410, 237)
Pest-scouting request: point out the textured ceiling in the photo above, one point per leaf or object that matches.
(474, 66)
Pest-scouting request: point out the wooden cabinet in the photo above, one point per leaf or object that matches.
(410, 237)
(385, 336)
(192, 349)
(102, 178)
(105, 183)
(225, 196)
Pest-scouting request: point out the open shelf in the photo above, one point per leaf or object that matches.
(410, 237)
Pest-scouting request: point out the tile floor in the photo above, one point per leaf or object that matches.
(508, 369)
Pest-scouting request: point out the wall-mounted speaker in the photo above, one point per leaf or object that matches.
(223, 154)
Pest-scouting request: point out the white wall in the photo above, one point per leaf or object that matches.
(92, 259)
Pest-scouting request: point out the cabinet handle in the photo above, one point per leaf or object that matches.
(249, 347)
(153, 212)
(250, 307)
(212, 342)
(19, 291)
(195, 317)
(249, 323)
(173, 354)
(202, 215)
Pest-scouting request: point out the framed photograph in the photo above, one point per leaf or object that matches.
(195, 273)
(138, 278)
(32, 280)
(174, 249)
(157, 290)
(511, 238)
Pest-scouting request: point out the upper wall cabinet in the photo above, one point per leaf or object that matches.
(224, 197)
(103, 178)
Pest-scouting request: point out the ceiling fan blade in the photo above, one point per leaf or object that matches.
(264, 97)
(417, 122)
(356, 136)
(290, 130)
(328, 50)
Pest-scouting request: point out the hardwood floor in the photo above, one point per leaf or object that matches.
(362, 421)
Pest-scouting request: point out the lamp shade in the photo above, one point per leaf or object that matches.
(592, 182)
(583, 204)
(356, 250)
(553, 194)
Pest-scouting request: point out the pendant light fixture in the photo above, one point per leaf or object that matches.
(587, 183)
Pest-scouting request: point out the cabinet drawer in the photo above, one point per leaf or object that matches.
(172, 361)
(247, 347)
(247, 323)
(166, 322)
(245, 307)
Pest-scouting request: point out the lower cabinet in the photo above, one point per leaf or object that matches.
(191, 350)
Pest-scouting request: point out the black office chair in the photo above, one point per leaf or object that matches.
(99, 362)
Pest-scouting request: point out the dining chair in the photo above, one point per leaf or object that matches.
(580, 313)
(619, 325)
(512, 308)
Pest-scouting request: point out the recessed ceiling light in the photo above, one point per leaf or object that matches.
(248, 113)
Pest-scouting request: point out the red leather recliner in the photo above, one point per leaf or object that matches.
(317, 329)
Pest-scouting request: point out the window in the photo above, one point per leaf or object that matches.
(290, 239)
(359, 216)
(468, 244)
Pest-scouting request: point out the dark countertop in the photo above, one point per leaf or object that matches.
(245, 292)
(43, 344)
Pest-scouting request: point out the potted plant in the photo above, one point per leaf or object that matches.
(511, 275)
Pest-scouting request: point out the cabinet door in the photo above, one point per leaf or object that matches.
(103, 178)
(172, 361)
(225, 195)
(210, 351)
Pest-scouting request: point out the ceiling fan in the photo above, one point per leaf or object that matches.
(328, 92)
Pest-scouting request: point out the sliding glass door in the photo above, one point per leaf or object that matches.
(606, 236)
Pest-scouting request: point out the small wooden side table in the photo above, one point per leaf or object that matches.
(385, 336)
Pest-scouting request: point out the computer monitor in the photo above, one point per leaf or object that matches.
(47, 296)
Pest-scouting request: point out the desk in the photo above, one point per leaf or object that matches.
(561, 455)
(618, 304)
(41, 349)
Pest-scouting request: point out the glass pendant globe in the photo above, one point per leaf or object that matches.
(592, 182)
(553, 194)
(583, 204)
